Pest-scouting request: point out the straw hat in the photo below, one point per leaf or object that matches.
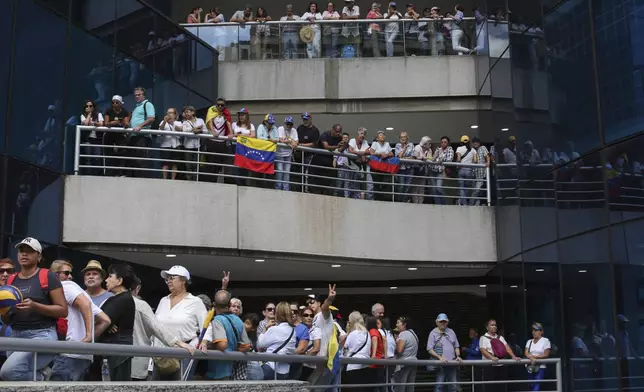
(307, 34)
(94, 265)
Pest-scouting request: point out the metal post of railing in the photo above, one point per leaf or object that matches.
(35, 370)
(488, 182)
(302, 172)
(198, 161)
(393, 187)
(559, 376)
(472, 378)
(404, 40)
(77, 150)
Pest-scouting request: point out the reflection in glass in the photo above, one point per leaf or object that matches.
(6, 27)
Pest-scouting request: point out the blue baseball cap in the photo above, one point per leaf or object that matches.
(306, 116)
(442, 317)
(269, 118)
(288, 119)
(243, 110)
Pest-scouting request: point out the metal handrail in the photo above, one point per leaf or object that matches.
(322, 21)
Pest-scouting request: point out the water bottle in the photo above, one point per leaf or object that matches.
(105, 370)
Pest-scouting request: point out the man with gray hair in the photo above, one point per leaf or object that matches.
(226, 332)
(378, 310)
(143, 117)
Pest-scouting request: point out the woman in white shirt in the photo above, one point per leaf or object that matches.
(279, 338)
(422, 152)
(537, 348)
(383, 183)
(313, 47)
(286, 134)
(170, 143)
(192, 145)
(181, 313)
(330, 32)
(91, 117)
(392, 29)
(357, 345)
(360, 147)
(242, 127)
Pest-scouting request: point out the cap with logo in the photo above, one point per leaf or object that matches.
(94, 265)
(306, 116)
(288, 120)
(176, 270)
(442, 317)
(117, 98)
(269, 118)
(537, 327)
(32, 243)
(465, 139)
(243, 110)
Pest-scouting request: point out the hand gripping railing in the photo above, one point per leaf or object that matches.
(399, 185)
(70, 347)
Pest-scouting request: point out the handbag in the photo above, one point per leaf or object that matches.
(532, 368)
(166, 366)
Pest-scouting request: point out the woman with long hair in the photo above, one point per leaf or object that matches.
(170, 144)
(279, 339)
(357, 345)
(92, 117)
(378, 350)
(242, 127)
(262, 35)
(315, 338)
(195, 15)
(313, 14)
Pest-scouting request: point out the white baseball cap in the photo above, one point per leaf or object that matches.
(176, 270)
(32, 243)
(117, 98)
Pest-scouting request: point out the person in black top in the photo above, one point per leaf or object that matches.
(120, 309)
(308, 135)
(330, 141)
(35, 317)
(117, 117)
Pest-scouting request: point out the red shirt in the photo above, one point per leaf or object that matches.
(380, 347)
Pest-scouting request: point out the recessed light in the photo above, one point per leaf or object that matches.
(336, 265)
(514, 286)
(474, 126)
(482, 285)
(259, 260)
(505, 129)
(393, 287)
(539, 269)
(170, 255)
(308, 289)
(389, 129)
(583, 271)
(412, 268)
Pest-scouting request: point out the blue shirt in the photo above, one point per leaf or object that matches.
(138, 114)
(218, 370)
(7, 334)
(265, 134)
(473, 351)
(301, 333)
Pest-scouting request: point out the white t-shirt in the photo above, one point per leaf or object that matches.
(273, 339)
(538, 348)
(353, 347)
(391, 342)
(486, 344)
(237, 130)
(317, 16)
(393, 26)
(469, 158)
(364, 146)
(282, 133)
(188, 126)
(351, 28)
(184, 320)
(75, 322)
(380, 148)
(326, 331)
(170, 141)
(92, 135)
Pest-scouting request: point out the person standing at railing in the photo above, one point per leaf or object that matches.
(219, 123)
(407, 345)
(116, 116)
(313, 347)
(286, 134)
(36, 316)
(351, 31)
(411, 30)
(266, 131)
(330, 32)
(481, 30)
(279, 338)
(143, 117)
(347, 171)
(425, 28)
(537, 348)
(242, 36)
(392, 29)
(479, 173)
(494, 347)
(360, 147)
(194, 126)
(458, 34)
(92, 117)
(465, 154)
(313, 49)
(261, 40)
(374, 30)
(308, 135)
(195, 15)
(437, 33)
(219, 34)
(358, 345)
(442, 344)
(290, 38)
(383, 181)
(423, 153)
(242, 127)
(322, 163)
(170, 144)
(444, 153)
(404, 150)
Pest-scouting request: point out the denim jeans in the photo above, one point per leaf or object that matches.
(437, 187)
(95, 162)
(390, 38)
(403, 179)
(282, 173)
(269, 373)
(406, 375)
(290, 40)
(465, 176)
(446, 374)
(313, 48)
(346, 179)
(69, 369)
(476, 193)
(19, 365)
(330, 44)
(254, 371)
(537, 376)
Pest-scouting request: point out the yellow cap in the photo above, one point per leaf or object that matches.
(512, 139)
(465, 139)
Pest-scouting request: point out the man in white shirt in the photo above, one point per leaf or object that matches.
(286, 134)
(323, 320)
(467, 155)
(351, 30)
(290, 38)
(80, 325)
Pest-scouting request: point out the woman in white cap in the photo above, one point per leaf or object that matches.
(35, 317)
(181, 313)
(422, 152)
(538, 347)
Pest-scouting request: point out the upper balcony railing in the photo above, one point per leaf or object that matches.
(356, 38)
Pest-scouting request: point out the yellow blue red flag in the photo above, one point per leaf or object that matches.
(333, 361)
(255, 154)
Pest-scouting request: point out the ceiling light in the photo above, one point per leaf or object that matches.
(336, 265)
(505, 129)
(259, 260)
(412, 268)
(389, 129)
(393, 287)
(514, 286)
(583, 271)
(539, 269)
(308, 289)
(474, 126)
(170, 255)
(482, 285)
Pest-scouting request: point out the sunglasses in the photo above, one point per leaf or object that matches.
(115, 102)
(67, 273)
(89, 106)
(270, 309)
(6, 271)
(220, 105)
(307, 315)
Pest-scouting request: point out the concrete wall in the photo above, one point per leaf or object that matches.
(181, 213)
(159, 386)
(364, 78)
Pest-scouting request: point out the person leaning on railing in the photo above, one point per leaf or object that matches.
(494, 347)
(116, 116)
(537, 348)
(170, 144)
(279, 338)
(143, 117)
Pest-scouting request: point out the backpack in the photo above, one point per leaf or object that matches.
(61, 323)
(498, 348)
(156, 122)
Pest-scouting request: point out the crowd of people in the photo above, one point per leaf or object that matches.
(425, 32)
(110, 311)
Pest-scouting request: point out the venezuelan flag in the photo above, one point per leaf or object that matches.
(387, 165)
(333, 361)
(255, 154)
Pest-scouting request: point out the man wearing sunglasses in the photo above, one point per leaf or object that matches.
(116, 116)
(83, 318)
(219, 123)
